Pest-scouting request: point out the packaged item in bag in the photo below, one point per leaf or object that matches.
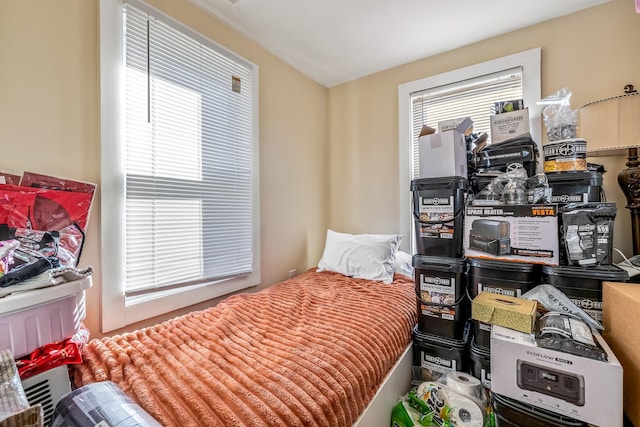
(65, 245)
(7, 248)
(587, 233)
(560, 120)
(569, 334)
(553, 300)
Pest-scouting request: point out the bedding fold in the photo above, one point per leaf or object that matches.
(309, 351)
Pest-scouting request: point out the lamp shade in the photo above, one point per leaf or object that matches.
(612, 125)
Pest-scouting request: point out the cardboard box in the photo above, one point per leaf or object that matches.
(508, 106)
(503, 310)
(442, 154)
(509, 125)
(621, 317)
(454, 124)
(522, 233)
(585, 389)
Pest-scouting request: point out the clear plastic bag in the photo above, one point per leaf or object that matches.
(552, 299)
(569, 334)
(13, 399)
(560, 120)
(65, 245)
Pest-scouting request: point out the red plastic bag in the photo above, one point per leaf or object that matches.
(43, 209)
(66, 352)
(15, 206)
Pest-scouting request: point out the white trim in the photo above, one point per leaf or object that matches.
(117, 311)
(396, 384)
(190, 32)
(112, 308)
(530, 62)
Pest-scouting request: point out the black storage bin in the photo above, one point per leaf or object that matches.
(443, 306)
(438, 205)
(575, 187)
(501, 277)
(512, 413)
(482, 334)
(499, 156)
(480, 364)
(479, 181)
(583, 286)
(498, 277)
(435, 356)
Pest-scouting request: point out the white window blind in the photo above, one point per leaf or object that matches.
(187, 158)
(468, 98)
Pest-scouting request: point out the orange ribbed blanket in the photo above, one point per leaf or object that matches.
(309, 351)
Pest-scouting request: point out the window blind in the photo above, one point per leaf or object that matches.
(469, 98)
(188, 158)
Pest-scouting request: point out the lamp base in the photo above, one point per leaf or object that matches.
(629, 181)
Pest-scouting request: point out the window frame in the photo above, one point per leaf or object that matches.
(117, 310)
(531, 89)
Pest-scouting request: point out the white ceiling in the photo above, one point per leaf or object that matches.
(334, 41)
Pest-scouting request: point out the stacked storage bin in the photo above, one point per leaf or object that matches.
(573, 188)
(441, 336)
(498, 277)
(581, 280)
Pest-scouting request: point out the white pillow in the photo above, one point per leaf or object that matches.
(363, 256)
(403, 264)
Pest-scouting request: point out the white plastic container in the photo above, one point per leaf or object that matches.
(34, 318)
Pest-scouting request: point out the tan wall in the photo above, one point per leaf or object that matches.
(50, 118)
(593, 53)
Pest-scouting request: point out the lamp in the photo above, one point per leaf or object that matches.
(611, 127)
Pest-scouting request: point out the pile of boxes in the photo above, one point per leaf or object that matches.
(486, 253)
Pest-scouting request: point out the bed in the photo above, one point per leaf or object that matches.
(319, 349)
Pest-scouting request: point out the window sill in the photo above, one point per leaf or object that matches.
(142, 307)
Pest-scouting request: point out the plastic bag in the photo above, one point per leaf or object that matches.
(7, 248)
(65, 245)
(43, 209)
(506, 188)
(587, 233)
(49, 356)
(14, 398)
(553, 299)
(569, 334)
(560, 120)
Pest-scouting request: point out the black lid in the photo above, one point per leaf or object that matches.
(602, 272)
(478, 350)
(569, 177)
(501, 265)
(456, 265)
(440, 183)
(447, 343)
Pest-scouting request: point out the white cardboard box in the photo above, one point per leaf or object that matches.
(509, 125)
(586, 389)
(521, 233)
(452, 124)
(442, 154)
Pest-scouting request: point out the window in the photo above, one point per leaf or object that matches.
(179, 156)
(466, 92)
